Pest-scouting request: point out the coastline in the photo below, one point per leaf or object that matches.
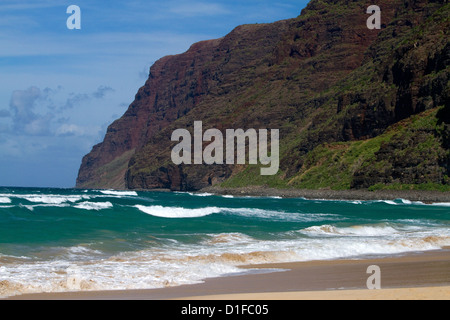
(260, 191)
(412, 276)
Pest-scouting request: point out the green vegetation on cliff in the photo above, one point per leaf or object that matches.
(356, 108)
(417, 142)
(392, 84)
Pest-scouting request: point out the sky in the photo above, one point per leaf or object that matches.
(60, 88)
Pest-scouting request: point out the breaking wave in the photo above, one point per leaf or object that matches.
(94, 205)
(52, 199)
(441, 204)
(358, 230)
(5, 200)
(124, 247)
(118, 193)
(204, 194)
(177, 212)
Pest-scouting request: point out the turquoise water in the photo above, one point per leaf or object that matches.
(63, 240)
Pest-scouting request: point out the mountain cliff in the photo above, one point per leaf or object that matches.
(355, 108)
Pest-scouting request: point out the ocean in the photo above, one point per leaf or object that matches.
(59, 240)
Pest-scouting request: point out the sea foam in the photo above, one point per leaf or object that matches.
(441, 204)
(94, 205)
(118, 193)
(177, 212)
(281, 215)
(144, 253)
(5, 200)
(204, 194)
(52, 199)
(358, 230)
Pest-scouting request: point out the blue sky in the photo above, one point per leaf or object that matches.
(61, 88)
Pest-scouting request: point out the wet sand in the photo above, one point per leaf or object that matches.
(414, 276)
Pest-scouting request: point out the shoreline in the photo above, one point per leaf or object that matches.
(418, 275)
(259, 191)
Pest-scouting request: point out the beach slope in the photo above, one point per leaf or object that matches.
(415, 276)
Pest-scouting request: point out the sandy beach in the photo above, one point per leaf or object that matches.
(414, 276)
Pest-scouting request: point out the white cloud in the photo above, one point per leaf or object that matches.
(79, 98)
(74, 130)
(25, 119)
(117, 41)
(102, 91)
(39, 126)
(36, 112)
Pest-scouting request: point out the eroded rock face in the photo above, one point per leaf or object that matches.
(174, 87)
(320, 78)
